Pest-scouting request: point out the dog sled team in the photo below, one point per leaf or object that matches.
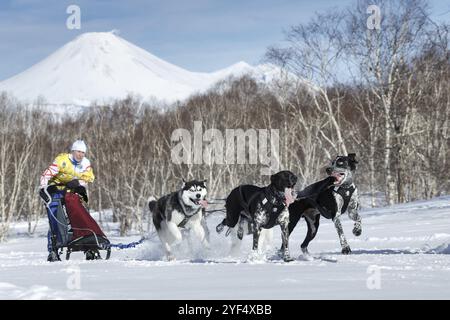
(250, 209)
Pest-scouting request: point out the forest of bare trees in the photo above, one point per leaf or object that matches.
(382, 93)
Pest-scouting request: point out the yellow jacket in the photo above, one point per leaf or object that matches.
(65, 169)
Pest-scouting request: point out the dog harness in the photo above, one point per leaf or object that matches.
(346, 193)
(275, 205)
(183, 208)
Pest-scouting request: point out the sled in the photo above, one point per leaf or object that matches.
(75, 229)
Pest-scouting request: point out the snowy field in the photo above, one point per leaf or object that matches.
(403, 253)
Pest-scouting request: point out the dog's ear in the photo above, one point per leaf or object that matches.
(333, 161)
(352, 157)
(293, 179)
(273, 178)
(352, 161)
(183, 183)
(204, 182)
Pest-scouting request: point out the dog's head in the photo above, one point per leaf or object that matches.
(194, 193)
(282, 180)
(342, 168)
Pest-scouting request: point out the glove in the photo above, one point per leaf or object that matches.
(44, 195)
(80, 190)
(73, 184)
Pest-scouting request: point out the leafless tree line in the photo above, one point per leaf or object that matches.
(392, 108)
(384, 90)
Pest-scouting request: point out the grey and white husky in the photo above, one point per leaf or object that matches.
(178, 210)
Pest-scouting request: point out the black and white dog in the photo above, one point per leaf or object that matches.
(180, 209)
(330, 198)
(261, 208)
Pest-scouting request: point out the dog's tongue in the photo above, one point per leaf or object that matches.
(337, 177)
(203, 203)
(289, 196)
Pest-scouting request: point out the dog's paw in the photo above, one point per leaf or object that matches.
(346, 250)
(171, 257)
(305, 257)
(285, 255)
(240, 232)
(220, 227)
(256, 256)
(287, 258)
(279, 253)
(357, 230)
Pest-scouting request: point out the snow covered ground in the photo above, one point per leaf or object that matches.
(403, 253)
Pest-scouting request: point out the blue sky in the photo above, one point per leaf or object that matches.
(199, 35)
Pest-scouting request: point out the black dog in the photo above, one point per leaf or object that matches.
(261, 208)
(330, 198)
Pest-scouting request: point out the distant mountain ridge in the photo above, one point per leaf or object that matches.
(101, 67)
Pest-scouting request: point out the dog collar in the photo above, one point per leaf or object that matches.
(278, 196)
(346, 193)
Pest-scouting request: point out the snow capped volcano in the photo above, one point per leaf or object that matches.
(101, 66)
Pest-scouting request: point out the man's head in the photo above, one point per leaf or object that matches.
(78, 150)
(342, 169)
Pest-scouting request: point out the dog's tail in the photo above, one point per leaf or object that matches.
(152, 204)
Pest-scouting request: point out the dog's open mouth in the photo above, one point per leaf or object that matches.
(338, 176)
(289, 195)
(199, 202)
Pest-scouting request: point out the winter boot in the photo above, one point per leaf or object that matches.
(92, 255)
(53, 256)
